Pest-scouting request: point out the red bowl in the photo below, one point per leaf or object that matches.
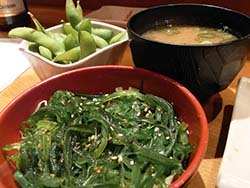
(105, 79)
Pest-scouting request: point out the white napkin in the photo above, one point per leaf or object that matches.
(234, 170)
(12, 62)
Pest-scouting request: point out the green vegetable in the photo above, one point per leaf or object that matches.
(55, 45)
(71, 41)
(106, 34)
(59, 37)
(100, 42)
(33, 47)
(117, 37)
(123, 139)
(72, 13)
(69, 56)
(38, 25)
(84, 25)
(68, 29)
(79, 9)
(45, 52)
(22, 180)
(38, 37)
(87, 44)
(207, 35)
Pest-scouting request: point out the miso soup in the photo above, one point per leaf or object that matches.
(189, 35)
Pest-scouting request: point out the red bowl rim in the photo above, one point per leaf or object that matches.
(201, 149)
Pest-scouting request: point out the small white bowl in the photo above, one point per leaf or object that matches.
(106, 56)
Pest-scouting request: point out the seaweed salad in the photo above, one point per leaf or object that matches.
(122, 139)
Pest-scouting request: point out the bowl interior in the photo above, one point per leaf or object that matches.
(191, 14)
(105, 79)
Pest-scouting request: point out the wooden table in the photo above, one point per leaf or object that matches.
(218, 109)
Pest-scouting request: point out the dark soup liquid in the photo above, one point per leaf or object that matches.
(189, 35)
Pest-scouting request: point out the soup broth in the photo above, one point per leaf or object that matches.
(189, 35)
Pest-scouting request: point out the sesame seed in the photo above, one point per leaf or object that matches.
(120, 134)
(120, 159)
(156, 129)
(161, 152)
(114, 157)
(132, 162)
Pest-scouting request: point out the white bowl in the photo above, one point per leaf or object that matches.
(105, 56)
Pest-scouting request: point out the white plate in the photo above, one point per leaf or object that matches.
(12, 62)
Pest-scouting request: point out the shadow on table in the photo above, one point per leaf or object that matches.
(227, 115)
(212, 107)
(219, 118)
(196, 181)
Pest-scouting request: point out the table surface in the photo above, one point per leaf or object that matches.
(218, 108)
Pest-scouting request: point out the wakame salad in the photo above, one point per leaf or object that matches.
(123, 139)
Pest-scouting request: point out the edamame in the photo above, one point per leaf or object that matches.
(71, 41)
(45, 52)
(77, 40)
(38, 37)
(100, 42)
(84, 25)
(106, 34)
(73, 15)
(69, 56)
(117, 37)
(87, 44)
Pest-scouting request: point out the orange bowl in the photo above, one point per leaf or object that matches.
(104, 79)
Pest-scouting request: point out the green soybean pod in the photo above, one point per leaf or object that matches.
(73, 16)
(58, 36)
(68, 29)
(106, 34)
(100, 42)
(38, 25)
(79, 9)
(84, 25)
(117, 37)
(70, 42)
(87, 44)
(33, 47)
(71, 55)
(38, 37)
(45, 52)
